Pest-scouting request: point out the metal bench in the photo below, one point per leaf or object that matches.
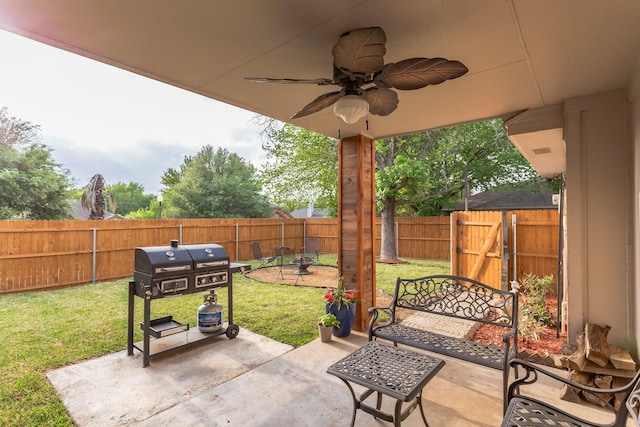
(456, 297)
(525, 410)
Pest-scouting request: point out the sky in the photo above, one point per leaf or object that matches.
(100, 119)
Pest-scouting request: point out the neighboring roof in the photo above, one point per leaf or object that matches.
(304, 213)
(507, 200)
(278, 212)
(77, 212)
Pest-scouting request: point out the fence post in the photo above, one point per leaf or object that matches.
(453, 240)
(93, 256)
(514, 249)
(180, 234)
(505, 252)
(237, 241)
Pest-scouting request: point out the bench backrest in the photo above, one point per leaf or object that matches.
(459, 297)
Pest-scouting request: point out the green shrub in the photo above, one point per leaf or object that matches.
(534, 314)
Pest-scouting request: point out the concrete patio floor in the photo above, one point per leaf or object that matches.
(255, 381)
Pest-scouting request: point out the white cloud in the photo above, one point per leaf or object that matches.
(100, 119)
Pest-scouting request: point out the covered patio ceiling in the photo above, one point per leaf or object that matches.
(521, 54)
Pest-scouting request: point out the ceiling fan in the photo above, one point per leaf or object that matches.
(366, 81)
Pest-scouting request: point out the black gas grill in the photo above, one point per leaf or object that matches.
(175, 270)
(163, 271)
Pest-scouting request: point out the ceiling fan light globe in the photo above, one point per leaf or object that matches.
(351, 108)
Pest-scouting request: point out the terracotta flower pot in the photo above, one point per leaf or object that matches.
(325, 333)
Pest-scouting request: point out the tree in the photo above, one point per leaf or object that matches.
(32, 184)
(150, 212)
(424, 172)
(302, 167)
(416, 174)
(214, 184)
(130, 197)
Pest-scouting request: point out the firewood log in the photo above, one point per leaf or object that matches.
(583, 378)
(620, 358)
(600, 399)
(603, 381)
(596, 346)
(608, 370)
(578, 360)
(617, 399)
(569, 394)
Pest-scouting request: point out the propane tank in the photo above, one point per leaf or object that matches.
(210, 314)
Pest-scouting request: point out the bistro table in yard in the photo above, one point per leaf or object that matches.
(392, 371)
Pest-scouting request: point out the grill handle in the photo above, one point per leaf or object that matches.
(172, 269)
(212, 264)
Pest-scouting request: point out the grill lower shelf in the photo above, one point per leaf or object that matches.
(178, 340)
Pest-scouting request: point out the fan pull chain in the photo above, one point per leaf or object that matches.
(338, 133)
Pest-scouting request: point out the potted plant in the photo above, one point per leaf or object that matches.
(326, 324)
(342, 303)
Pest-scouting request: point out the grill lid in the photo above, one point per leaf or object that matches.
(209, 255)
(162, 260)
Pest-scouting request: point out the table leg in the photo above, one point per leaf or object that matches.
(397, 416)
(422, 409)
(356, 404)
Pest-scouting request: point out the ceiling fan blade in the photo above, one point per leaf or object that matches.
(319, 82)
(360, 51)
(416, 73)
(382, 101)
(320, 103)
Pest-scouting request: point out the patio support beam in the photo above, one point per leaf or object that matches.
(356, 222)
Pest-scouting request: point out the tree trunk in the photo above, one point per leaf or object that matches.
(388, 243)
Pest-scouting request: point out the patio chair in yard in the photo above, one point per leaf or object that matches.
(258, 255)
(311, 249)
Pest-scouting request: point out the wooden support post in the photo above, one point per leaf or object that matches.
(356, 222)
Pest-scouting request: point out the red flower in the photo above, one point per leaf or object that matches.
(339, 296)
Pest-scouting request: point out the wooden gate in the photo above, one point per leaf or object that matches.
(478, 247)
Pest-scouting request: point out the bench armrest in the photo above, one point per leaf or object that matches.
(375, 312)
(510, 340)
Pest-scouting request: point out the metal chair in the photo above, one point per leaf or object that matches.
(528, 411)
(258, 256)
(311, 249)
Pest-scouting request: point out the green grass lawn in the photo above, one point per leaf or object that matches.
(40, 331)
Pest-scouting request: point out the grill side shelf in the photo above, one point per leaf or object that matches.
(164, 326)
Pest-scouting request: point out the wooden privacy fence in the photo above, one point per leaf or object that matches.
(48, 254)
(498, 247)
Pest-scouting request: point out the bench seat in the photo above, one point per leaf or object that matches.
(471, 351)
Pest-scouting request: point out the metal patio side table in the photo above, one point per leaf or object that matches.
(392, 371)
